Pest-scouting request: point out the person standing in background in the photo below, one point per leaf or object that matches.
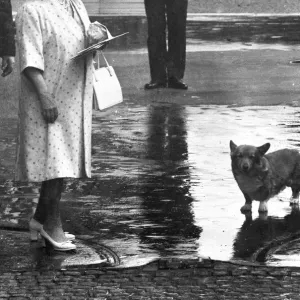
(7, 37)
(167, 64)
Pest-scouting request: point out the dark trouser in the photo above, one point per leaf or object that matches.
(170, 15)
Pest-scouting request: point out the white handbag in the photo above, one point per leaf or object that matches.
(107, 88)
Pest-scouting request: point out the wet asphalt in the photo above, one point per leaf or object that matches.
(162, 185)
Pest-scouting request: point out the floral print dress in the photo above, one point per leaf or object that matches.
(47, 38)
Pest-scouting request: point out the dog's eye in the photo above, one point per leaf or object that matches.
(239, 155)
(252, 156)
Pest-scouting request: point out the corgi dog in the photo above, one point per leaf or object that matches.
(261, 176)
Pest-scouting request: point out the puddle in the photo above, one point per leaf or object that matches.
(162, 184)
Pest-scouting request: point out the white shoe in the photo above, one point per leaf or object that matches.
(35, 228)
(63, 246)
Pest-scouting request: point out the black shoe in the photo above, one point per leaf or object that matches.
(155, 85)
(175, 83)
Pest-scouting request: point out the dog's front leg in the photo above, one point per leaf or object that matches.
(295, 196)
(248, 204)
(263, 206)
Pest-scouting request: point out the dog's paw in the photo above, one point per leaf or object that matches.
(263, 206)
(245, 208)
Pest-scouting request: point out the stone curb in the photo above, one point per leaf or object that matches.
(205, 267)
(212, 267)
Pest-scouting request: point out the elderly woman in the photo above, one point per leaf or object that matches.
(7, 39)
(55, 111)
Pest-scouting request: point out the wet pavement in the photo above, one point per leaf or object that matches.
(248, 30)
(162, 185)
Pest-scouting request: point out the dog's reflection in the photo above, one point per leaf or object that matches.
(256, 233)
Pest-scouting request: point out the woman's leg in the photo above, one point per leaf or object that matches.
(48, 210)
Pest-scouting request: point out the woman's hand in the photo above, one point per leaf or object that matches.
(48, 103)
(96, 33)
(7, 65)
(50, 111)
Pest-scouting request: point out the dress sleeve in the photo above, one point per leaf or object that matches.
(29, 38)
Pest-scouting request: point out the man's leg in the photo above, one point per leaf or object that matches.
(176, 17)
(156, 17)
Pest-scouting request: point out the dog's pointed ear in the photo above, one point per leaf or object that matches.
(233, 146)
(264, 148)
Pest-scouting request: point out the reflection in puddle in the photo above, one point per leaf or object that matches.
(166, 198)
(270, 239)
(162, 183)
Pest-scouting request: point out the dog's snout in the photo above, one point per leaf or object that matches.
(245, 167)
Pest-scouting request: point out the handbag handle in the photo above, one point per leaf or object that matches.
(107, 64)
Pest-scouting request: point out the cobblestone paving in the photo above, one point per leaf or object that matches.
(165, 279)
